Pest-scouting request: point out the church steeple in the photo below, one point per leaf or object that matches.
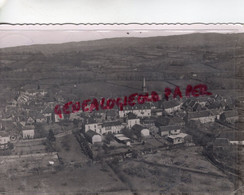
(144, 88)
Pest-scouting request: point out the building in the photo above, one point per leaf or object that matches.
(140, 110)
(48, 113)
(93, 137)
(216, 113)
(202, 116)
(91, 124)
(202, 100)
(171, 106)
(177, 121)
(188, 104)
(111, 115)
(140, 131)
(230, 116)
(132, 120)
(111, 127)
(40, 118)
(28, 132)
(122, 139)
(30, 121)
(169, 130)
(177, 139)
(58, 117)
(197, 107)
(157, 112)
(148, 122)
(162, 121)
(4, 140)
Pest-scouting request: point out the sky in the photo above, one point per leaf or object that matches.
(17, 35)
(122, 11)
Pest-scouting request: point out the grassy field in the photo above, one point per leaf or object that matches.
(144, 177)
(71, 181)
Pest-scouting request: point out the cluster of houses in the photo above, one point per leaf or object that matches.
(166, 118)
(20, 116)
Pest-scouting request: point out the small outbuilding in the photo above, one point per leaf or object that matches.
(122, 139)
(177, 139)
(93, 137)
(169, 130)
(28, 134)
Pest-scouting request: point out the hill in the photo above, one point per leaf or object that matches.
(116, 66)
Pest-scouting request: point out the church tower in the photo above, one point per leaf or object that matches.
(144, 88)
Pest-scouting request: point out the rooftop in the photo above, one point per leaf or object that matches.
(200, 114)
(130, 115)
(180, 135)
(138, 107)
(169, 127)
(112, 123)
(91, 133)
(171, 104)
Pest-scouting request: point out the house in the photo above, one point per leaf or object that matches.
(177, 121)
(140, 110)
(132, 120)
(216, 113)
(91, 124)
(28, 132)
(177, 139)
(48, 113)
(140, 131)
(122, 139)
(12, 103)
(30, 121)
(93, 137)
(230, 116)
(111, 127)
(171, 106)
(197, 107)
(75, 116)
(188, 104)
(162, 121)
(111, 114)
(169, 130)
(202, 100)
(4, 140)
(148, 122)
(40, 118)
(157, 112)
(202, 116)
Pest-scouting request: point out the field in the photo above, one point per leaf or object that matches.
(181, 175)
(69, 181)
(116, 67)
(69, 150)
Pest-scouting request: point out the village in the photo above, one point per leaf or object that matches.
(30, 126)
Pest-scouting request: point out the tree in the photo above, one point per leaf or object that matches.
(109, 137)
(51, 136)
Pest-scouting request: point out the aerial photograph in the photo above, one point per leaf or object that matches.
(122, 114)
